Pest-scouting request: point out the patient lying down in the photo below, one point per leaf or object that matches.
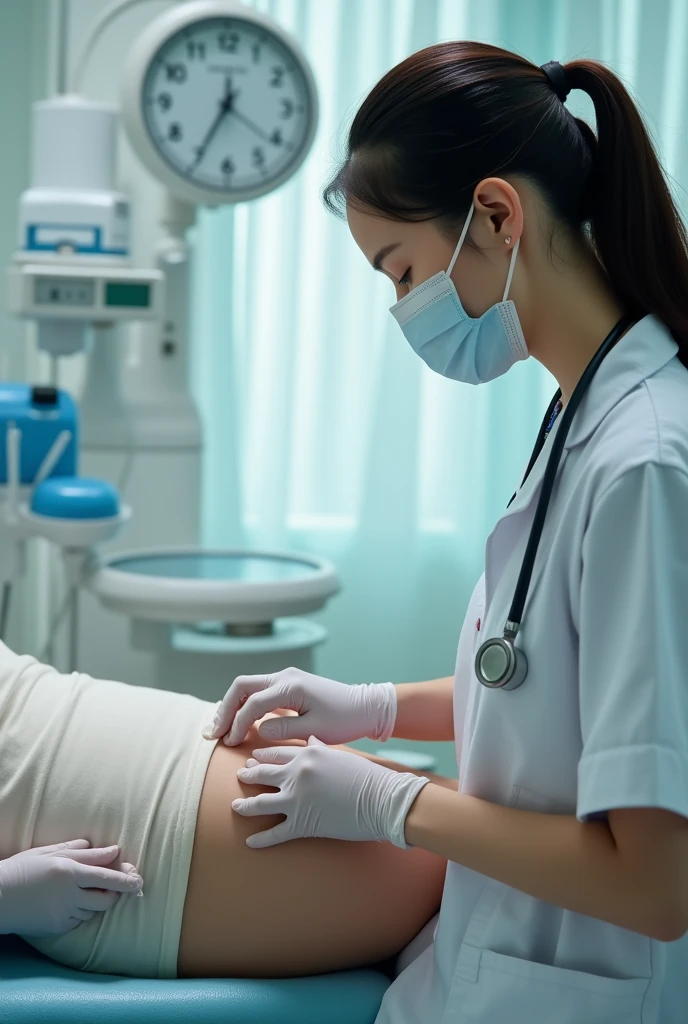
(115, 763)
(303, 907)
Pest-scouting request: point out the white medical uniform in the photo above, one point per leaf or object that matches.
(600, 722)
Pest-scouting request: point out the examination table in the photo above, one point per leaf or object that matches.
(36, 990)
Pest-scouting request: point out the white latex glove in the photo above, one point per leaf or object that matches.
(335, 712)
(49, 890)
(326, 793)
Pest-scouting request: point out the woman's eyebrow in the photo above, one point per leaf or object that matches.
(384, 251)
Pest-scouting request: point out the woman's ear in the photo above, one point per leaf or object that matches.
(499, 213)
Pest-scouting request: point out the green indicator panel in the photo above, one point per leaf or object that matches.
(127, 293)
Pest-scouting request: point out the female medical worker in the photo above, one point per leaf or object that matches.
(566, 894)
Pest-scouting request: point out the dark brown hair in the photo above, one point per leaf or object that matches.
(456, 112)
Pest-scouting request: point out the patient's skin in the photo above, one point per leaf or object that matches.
(302, 907)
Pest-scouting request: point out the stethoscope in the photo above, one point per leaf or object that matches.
(499, 664)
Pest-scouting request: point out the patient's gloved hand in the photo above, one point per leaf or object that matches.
(51, 889)
(334, 712)
(328, 794)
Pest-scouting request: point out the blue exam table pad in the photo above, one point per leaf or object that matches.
(36, 990)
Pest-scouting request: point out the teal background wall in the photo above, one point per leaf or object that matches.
(23, 79)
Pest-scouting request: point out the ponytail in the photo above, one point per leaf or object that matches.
(636, 230)
(456, 112)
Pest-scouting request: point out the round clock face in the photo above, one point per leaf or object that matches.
(227, 105)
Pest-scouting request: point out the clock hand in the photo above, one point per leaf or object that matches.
(225, 108)
(251, 125)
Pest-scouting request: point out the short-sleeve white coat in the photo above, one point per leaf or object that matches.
(600, 722)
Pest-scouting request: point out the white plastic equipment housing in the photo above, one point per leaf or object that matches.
(165, 599)
(73, 144)
(24, 278)
(72, 533)
(72, 205)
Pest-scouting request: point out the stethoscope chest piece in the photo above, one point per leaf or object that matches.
(500, 665)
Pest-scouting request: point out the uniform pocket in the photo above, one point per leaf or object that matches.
(496, 988)
(504, 989)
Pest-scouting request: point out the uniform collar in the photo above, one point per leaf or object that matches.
(644, 350)
(646, 347)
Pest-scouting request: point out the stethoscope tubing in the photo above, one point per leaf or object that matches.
(513, 623)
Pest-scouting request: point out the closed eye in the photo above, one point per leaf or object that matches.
(406, 278)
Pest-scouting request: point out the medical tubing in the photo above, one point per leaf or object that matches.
(5, 609)
(45, 653)
(62, 33)
(97, 29)
(72, 656)
(127, 467)
(516, 610)
(538, 447)
(13, 458)
(53, 457)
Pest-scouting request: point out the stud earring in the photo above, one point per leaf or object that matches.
(507, 239)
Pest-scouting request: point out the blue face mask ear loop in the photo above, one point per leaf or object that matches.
(464, 232)
(511, 269)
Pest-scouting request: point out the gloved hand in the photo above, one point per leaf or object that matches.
(49, 890)
(335, 712)
(327, 793)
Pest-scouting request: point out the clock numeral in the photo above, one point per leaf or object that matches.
(175, 132)
(228, 42)
(258, 156)
(287, 108)
(176, 72)
(193, 48)
(164, 101)
(255, 50)
(276, 137)
(277, 77)
(227, 166)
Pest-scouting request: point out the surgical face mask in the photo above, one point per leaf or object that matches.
(440, 331)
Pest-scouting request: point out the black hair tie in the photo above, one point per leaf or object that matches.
(557, 78)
